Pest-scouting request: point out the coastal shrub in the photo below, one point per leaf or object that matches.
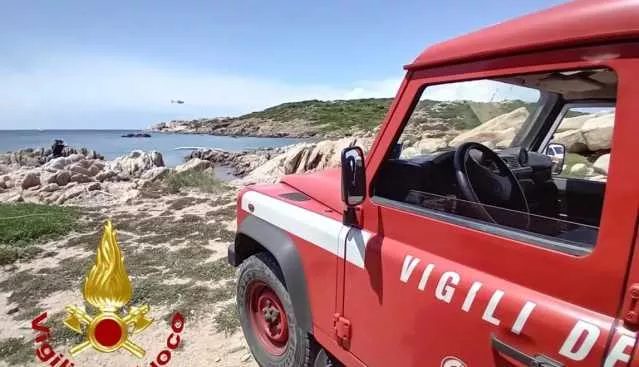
(363, 113)
(10, 254)
(227, 319)
(570, 160)
(203, 180)
(16, 351)
(366, 114)
(27, 223)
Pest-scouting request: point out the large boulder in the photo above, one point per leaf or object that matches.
(81, 178)
(304, 157)
(95, 168)
(31, 179)
(495, 130)
(94, 186)
(269, 172)
(15, 199)
(598, 132)
(573, 140)
(62, 178)
(573, 123)
(155, 173)
(409, 152)
(5, 181)
(75, 157)
(429, 145)
(58, 163)
(194, 164)
(105, 175)
(294, 156)
(79, 168)
(70, 193)
(321, 156)
(135, 163)
(602, 163)
(50, 187)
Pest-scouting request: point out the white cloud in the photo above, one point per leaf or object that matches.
(59, 87)
(106, 92)
(479, 91)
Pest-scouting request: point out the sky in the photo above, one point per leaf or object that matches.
(71, 64)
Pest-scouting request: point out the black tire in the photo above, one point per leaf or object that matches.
(300, 350)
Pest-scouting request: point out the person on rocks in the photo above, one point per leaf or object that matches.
(57, 147)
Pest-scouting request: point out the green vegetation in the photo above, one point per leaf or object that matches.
(16, 351)
(202, 180)
(10, 254)
(340, 114)
(570, 160)
(366, 114)
(489, 110)
(574, 158)
(181, 297)
(573, 113)
(459, 115)
(22, 225)
(227, 319)
(27, 223)
(29, 287)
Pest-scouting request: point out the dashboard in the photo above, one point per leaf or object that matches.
(434, 173)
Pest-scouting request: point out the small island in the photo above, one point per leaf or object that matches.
(136, 135)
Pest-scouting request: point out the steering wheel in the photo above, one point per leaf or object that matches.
(490, 188)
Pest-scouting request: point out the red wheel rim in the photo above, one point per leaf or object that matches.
(268, 317)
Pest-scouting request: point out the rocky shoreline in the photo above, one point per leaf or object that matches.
(240, 127)
(35, 174)
(83, 179)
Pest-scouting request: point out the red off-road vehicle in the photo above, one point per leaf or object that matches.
(490, 224)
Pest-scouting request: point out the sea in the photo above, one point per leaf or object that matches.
(110, 143)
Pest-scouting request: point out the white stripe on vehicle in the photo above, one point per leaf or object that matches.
(314, 228)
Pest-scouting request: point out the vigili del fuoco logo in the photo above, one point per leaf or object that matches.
(108, 289)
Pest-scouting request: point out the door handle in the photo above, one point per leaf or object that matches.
(528, 360)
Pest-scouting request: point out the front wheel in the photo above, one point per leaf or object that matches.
(267, 317)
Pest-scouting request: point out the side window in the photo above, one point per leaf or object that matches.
(487, 111)
(582, 139)
(460, 156)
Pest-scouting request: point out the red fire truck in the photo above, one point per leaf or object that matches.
(504, 238)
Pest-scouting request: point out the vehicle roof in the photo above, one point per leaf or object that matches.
(571, 24)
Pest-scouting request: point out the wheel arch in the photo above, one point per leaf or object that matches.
(256, 235)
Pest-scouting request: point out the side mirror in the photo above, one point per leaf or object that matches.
(557, 153)
(353, 176)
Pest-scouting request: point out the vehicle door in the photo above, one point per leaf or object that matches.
(428, 283)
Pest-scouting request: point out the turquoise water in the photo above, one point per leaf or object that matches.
(110, 144)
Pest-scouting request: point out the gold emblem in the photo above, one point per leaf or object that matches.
(107, 287)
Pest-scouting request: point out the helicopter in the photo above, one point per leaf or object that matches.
(178, 101)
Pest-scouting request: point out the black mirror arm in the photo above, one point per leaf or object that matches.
(350, 217)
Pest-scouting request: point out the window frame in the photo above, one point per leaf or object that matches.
(532, 129)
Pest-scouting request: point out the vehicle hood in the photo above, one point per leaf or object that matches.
(324, 187)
